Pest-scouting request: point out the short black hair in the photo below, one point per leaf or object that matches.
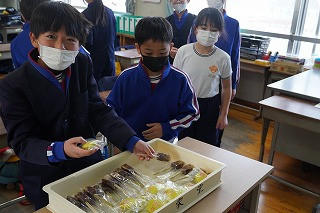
(28, 6)
(52, 16)
(211, 15)
(155, 28)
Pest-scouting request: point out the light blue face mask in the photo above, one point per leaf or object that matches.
(207, 38)
(57, 59)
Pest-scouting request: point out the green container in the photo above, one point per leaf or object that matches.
(120, 21)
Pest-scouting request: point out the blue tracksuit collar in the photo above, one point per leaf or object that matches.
(179, 22)
(32, 57)
(26, 26)
(143, 73)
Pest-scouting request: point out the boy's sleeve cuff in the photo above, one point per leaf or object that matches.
(58, 151)
(131, 143)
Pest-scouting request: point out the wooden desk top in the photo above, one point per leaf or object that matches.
(304, 85)
(253, 63)
(240, 176)
(293, 105)
(131, 53)
(5, 47)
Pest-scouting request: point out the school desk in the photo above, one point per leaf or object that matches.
(127, 58)
(5, 51)
(241, 179)
(5, 31)
(297, 119)
(253, 82)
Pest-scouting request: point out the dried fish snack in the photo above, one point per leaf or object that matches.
(75, 202)
(174, 165)
(163, 157)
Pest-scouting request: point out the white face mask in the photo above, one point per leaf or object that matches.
(179, 7)
(207, 38)
(218, 4)
(57, 59)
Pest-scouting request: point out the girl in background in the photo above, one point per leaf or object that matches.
(101, 39)
(207, 66)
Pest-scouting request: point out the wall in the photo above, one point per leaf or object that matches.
(151, 9)
(10, 3)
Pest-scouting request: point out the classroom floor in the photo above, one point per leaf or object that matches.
(242, 136)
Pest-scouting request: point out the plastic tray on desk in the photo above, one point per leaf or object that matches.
(60, 189)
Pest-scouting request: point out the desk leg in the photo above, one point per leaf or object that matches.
(265, 82)
(265, 128)
(252, 199)
(273, 143)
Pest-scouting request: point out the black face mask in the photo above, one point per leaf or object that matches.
(154, 64)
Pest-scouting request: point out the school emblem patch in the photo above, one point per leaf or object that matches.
(213, 69)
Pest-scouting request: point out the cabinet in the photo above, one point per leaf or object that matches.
(125, 39)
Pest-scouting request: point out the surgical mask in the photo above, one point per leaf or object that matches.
(179, 7)
(218, 4)
(207, 38)
(155, 64)
(57, 59)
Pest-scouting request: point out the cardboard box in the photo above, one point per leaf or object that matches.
(72, 184)
(288, 67)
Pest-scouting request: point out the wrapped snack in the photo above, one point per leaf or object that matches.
(199, 177)
(153, 205)
(92, 143)
(142, 178)
(129, 176)
(126, 183)
(86, 200)
(132, 205)
(115, 184)
(183, 171)
(163, 157)
(173, 166)
(96, 192)
(78, 204)
(153, 189)
(116, 197)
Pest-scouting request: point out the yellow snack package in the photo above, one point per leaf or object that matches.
(152, 189)
(91, 144)
(154, 204)
(199, 177)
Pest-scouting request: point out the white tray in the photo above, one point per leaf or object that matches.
(73, 183)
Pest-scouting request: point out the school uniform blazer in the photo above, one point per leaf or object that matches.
(36, 113)
(100, 43)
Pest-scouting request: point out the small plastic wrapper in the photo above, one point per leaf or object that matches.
(92, 144)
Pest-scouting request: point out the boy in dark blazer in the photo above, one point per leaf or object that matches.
(51, 103)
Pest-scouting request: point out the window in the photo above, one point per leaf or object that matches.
(195, 6)
(115, 5)
(271, 16)
(293, 25)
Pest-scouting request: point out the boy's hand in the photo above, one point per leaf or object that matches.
(155, 131)
(143, 150)
(72, 150)
(222, 122)
(173, 52)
